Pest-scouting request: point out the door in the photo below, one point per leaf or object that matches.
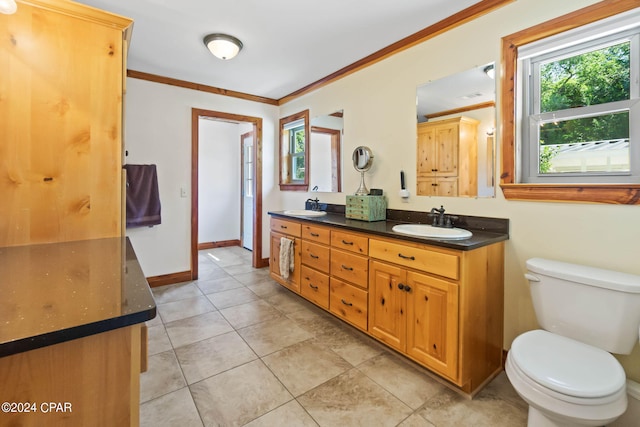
(247, 178)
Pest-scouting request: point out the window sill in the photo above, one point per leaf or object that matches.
(619, 194)
(294, 187)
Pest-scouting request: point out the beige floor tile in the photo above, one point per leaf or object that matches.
(352, 399)
(450, 409)
(415, 421)
(265, 288)
(290, 415)
(252, 276)
(209, 357)
(232, 297)
(239, 395)
(172, 409)
(404, 381)
(169, 293)
(238, 269)
(163, 376)
(211, 273)
(287, 302)
(350, 345)
(305, 365)
(243, 315)
(184, 308)
(218, 284)
(273, 335)
(197, 328)
(315, 320)
(501, 388)
(156, 321)
(158, 340)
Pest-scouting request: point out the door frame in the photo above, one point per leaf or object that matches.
(196, 114)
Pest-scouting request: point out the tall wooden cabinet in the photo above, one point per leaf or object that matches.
(447, 157)
(61, 93)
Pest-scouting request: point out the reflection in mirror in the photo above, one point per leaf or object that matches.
(362, 159)
(451, 161)
(325, 153)
(294, 152)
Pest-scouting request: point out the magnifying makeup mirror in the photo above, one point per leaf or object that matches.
(362, 159)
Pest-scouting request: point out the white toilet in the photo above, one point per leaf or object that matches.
(565, 372)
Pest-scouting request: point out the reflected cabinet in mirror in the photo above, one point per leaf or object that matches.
(325, 153)
(455, 144)
(294, 152)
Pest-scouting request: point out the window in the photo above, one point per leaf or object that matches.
(577, 105)
(297, 150)
(570, 107)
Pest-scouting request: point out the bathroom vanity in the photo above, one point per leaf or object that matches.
(72, 333)
(437, 302)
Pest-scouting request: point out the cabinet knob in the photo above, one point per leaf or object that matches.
(407, 288)
(400, 286)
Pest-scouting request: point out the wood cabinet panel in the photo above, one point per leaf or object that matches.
(314, 286)
(350, 267)
(61, 140)
(350, 242)
(431, 261)
(348, 302)
(316, 234)
(387, 317)
(316, 256)
(284, 226)
(432, 327)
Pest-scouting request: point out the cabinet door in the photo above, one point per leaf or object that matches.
(447, 186)
(446, 138)
(432, 326)
(293, 281)
(387, 318)
(426, 155)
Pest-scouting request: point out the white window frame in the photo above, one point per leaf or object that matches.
(600, 34)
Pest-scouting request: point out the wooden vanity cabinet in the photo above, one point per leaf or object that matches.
(442, 308)
(447, 157)
(291, 230)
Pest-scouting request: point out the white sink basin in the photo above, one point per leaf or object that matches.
(304, 212)
(425, 230)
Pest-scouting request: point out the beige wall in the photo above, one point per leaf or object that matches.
(379, 111)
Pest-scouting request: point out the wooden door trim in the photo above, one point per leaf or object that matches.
(196, 114)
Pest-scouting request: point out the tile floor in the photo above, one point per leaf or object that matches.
(234, 348)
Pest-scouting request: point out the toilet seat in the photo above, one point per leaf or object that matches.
(571, 371)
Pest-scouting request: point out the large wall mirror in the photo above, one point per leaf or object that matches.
(456, 123)
(294, 152)
(325, 152)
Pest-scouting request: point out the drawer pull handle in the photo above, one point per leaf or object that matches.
(314, 256)
(347, 268)
(411, 258)
(313, 287)
(346, 303)
(347, 243)
(315, 235)
(283, 226)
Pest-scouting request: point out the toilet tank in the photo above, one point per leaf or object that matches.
(595, 306)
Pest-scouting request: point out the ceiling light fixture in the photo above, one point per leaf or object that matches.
(222, 46)
(490, 71)
(8, 7)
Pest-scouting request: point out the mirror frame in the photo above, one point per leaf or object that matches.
(336, 149)
(284, 149)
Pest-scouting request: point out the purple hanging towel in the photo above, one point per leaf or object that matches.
(143, 199)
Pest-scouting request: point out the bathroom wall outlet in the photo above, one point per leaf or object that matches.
(183, 192)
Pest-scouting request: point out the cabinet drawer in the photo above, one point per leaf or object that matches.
(350, 267)
(315, 286)
(442, 264)
(348, 302)
(350, 242)
(316, 256)
(316, 234)
(286, 227)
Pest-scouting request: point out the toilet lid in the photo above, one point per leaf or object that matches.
(567, 366)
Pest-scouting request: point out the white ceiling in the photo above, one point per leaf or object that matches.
(288, 44)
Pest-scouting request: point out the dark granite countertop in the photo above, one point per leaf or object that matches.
(486, 231)
(57, 292)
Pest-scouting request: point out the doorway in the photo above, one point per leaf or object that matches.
(256, 182)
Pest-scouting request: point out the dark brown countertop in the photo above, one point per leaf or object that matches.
(57, 292)
(481, 234)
